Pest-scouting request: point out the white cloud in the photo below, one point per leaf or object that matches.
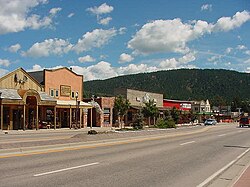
(248, 70)
(229, 50)
(86, 58)
(105, 21)
(49, 47)
(122, 30)
(104, 70)
(70, 15)
(161, 36)
(54, 11)
(247, 52)
(241, 47)
(96, 38)
(4, 62)
(174, 63)
(102, 9)
(15, 16)
(247, 61)
(167, 36)
(125, 58)
(215, 58)
(36, 67)
(14, 48)
(228, 23)
(136, 68)
(206, 7)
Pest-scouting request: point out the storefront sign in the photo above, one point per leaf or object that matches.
(65, 90)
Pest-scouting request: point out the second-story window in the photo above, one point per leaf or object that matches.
(51, 92)
(56, 93)
(73, 94)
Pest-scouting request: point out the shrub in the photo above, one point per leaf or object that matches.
(139, 121)
(169, 123)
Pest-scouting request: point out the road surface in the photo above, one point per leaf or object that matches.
(183, 159)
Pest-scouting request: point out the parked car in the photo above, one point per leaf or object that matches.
(244, 121)
(210, 122)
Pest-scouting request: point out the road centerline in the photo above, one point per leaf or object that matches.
(187, 143)
(222, 135)
(65, 169)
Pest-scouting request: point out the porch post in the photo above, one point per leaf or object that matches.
(1, 116)
(37, 120)
(70, 117)
(91, 118)
(55, 117)
(24, 117)
(80, 110)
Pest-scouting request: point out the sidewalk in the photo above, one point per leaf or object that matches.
(244, 180)
(237, 175)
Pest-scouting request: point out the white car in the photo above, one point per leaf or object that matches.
(210, 122)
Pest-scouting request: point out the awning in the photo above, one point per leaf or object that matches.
(72, 104)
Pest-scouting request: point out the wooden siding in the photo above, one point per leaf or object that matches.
(8, 81)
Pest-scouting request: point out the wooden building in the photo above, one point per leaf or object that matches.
(44, 99)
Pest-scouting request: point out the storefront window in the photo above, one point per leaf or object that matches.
(106, 113)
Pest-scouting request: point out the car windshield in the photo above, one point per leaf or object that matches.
(210, 120)
(243, 119)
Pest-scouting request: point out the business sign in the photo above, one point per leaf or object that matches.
(65, 90)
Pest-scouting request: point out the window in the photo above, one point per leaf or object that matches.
(73, 94)
(106, 113)
(51, 92)
(57, 93)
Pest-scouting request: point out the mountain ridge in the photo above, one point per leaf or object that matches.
(183, 84)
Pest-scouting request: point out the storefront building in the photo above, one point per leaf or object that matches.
(178, 104)
(101, 115)
(44, 99)
(137, 100)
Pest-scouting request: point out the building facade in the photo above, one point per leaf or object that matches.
(137, 100)
(101, 115)
(178, 104)
(45, 99)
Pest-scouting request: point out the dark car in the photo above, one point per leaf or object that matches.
(210, 122)
(244, 121)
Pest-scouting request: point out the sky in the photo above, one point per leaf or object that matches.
(103, 39)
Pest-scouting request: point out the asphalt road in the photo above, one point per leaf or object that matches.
(180, 160)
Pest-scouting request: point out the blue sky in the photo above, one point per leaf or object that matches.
(103, 39)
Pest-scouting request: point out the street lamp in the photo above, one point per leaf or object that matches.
(76, 109)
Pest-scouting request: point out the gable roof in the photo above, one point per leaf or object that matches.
(24, 72)
(38, 75)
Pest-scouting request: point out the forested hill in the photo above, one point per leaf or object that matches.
(184, 84)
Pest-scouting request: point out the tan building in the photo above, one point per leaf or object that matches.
(138, 98)
(44, 99)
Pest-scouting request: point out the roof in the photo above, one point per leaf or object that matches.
(177, 101)
(14, 94)
(45, 97)
(73, 103)
(38, 76)
(10, 94)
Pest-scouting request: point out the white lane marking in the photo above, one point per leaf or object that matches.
(65, 169)
(222, 135)
(209, 179)
(187, 143)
